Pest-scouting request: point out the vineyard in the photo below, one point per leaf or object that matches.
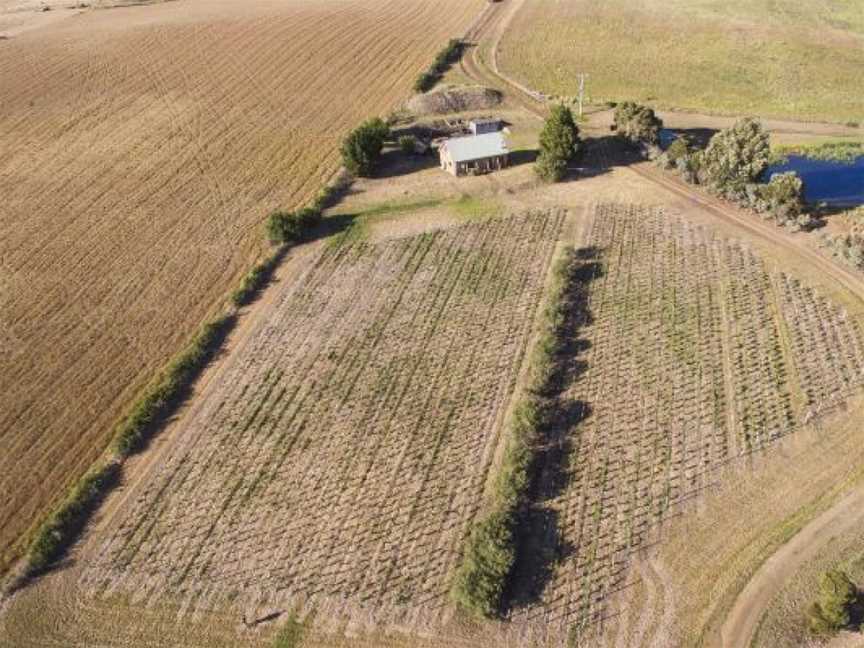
(688, 352)
(345, 450)
(142, 149)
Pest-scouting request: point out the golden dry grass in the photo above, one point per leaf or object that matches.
(142, 148)
(769, 57)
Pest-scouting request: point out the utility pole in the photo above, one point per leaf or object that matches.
(582, 77)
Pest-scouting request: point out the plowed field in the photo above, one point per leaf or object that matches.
(142, 148)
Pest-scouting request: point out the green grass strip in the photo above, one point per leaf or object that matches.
(846, 152)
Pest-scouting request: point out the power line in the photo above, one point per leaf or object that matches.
(582, 76)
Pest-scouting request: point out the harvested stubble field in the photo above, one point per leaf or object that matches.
(339, 461)
(142, 148)
(688, 352)
(783, 58)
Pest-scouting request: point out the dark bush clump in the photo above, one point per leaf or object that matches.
(361, 150)
(292, 227)
(831, 611)
(782, 197)
(735, 157)
(638, 124)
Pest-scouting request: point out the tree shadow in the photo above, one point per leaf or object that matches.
(699, 137)
(394, 163)
(251, 623)
(540, 543)
(523, 156)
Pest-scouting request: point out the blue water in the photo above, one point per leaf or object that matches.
(667, 137)
(835, 183)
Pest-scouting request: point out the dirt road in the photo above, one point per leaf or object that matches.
(743, 619)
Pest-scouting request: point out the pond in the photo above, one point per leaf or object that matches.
(835, 183)
(667, 136)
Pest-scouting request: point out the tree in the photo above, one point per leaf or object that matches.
(637, 124)
(782, 196)
(736, 156)
(362, 148)
(559, 143)
(282, 227)
(831, 610)
(425, 81)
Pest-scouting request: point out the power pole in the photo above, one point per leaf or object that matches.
(582, 77)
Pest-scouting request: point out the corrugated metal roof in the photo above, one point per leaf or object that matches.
(476, 147)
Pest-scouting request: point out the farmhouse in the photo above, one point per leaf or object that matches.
(474, 154)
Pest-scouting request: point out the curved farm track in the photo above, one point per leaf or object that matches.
(741, 620)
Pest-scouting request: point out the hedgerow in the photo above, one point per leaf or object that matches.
(490, 550)
(254, 280)
(58, 533)
(451, 53)
(62, 528)
(164, 394)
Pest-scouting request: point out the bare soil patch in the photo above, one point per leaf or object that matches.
(454, 99)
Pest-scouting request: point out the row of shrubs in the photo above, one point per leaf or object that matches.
(164, 394)
(490, 551)
(451, 53)
(161, 398)
(58, 532)
(732, 166)
(62, 528)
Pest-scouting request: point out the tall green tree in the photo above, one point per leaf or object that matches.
(361, 150)
(637, 124)
(736, 156)
(559, 143)
(832, 609)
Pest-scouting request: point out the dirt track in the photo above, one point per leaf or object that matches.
(743, 619)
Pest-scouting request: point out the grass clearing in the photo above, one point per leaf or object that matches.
(784, 58)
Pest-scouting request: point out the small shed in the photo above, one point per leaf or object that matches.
(474, 154)
(483, 126)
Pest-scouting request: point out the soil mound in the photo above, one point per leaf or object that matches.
(450, 99)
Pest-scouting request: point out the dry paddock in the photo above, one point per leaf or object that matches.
(142, 148)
